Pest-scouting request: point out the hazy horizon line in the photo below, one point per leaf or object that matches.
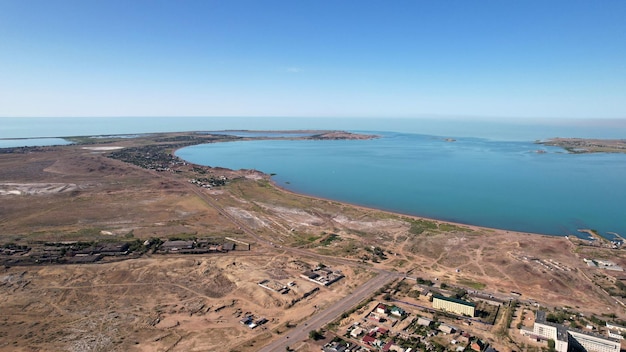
(418, 116)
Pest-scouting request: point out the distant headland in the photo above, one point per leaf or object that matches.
(584, 145)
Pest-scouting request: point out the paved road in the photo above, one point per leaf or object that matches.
(301, 332)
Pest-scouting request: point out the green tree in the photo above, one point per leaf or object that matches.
(414, 294)
(315, 335)
(551, 345)
(460, 293)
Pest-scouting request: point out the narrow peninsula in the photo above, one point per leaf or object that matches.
(586, 145)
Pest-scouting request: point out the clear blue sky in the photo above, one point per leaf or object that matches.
(313, 58)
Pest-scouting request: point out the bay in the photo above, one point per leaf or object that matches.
(491, 176)
(485, 182)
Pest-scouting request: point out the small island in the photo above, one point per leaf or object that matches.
(336, 135)
(584, 145)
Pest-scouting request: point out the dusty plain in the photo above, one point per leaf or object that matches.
(157, 302)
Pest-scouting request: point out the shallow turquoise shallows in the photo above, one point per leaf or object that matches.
(500, 184)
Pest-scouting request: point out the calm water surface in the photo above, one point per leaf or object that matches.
(476, 181)
(492, 128)
(491, 176)
(32, 142)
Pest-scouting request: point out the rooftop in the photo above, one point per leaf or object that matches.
(455, 300)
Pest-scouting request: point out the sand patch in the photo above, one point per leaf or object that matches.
(35, 188)
(370, 225)
(246, 216)
(294, 216)
(103, 148)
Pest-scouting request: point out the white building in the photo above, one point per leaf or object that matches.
(571, 339)
(555, 332)
(616, 334)
(356, 332)
(611, 326)
(594, 342)
(424, 321)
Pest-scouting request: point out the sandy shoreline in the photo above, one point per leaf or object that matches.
(415, 217)
(268, 177)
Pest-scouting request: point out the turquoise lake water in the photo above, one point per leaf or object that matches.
(491, 176)
(32, 142)
(499, 184)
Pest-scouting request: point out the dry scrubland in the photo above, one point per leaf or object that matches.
(545, 268)
(184, 303)
(172, 303)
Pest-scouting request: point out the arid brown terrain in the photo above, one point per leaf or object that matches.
(175, 302)
(585, 145)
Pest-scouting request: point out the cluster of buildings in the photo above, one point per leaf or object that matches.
(377, 338)
(275, 286)
(250, 322)
(343, 346)
(602, 264)
(152, 157)
(195, 247)
(323, 276)
(570, 339)
(209, 182)
(114, 248)
(11, 249)
(77, 252)
(616, 331)
(383, 313)
(71, 252)
(386, 328)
